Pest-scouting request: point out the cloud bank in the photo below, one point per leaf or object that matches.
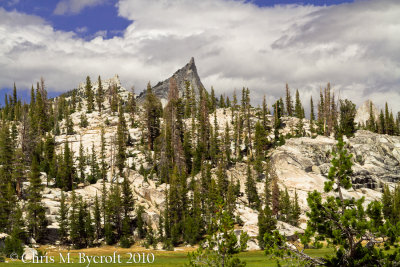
(235, 44)
(65, 7)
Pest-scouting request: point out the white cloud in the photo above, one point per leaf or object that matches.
(235, 44)
(75, 6)
(81, 29)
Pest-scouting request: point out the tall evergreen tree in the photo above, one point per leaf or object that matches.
(35, 211)
(97, 217)
(153, 113)
(347, 116)
(89, 95)
(63, 219)
(67, 169)
(121, 140)
(251, 190)
(289, 102)
(100, 94)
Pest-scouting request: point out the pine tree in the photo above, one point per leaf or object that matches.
(63, 219)
(97, 217)
(153, 113)
(127, 198)
(35, 211)
(285, 206)
(260, 144)
(251, 190)
(213, 101)
(227, 144)
(266, 221)
(132, 106)
(265, 111)
(347, 114)
(221, 246)
(371, 125)
(81, 163)
(67, 169)
(289, 102)
(275, 195)
(298, 110)
(121, 140)
(5, 201)
(89, 230)
(69, 124)
(94, 167)
(89, 95)
(13, 243)
(295, 212)
(140, 222)
(381, 123)
(103, 164)
(222, 180)
(83, 120)
(100, 94)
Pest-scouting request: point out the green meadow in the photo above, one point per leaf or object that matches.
(161, 258)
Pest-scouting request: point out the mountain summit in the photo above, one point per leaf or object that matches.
(186, 74)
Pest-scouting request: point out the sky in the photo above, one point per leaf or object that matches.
(258, 44)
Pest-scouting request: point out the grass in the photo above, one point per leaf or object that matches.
(162, 258)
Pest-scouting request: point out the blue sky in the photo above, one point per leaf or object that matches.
(257, 44)
(101, 18)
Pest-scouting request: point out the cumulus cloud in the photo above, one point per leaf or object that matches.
(235, 44)
(75, 6)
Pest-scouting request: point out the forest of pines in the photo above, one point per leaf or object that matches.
(185, 147)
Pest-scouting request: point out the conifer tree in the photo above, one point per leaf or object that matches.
(13, 243)
(260, 144)
(227, 144)
(94, 167)
(114, 210)
(265, 120)
(298, 110)
(251, 190)
(103, 164)
(97, 217)
(289, 102)
(89, 95)
(100, 94)
(83, 120)
(381, 123)
(35, 211)
(67, 169)
(153, 113)
(275, 195)
(221, 245)
(347, 115)
(69, 124)
(5, 201)
(121, 140)
(266, 221)
(132, 106)
(140, 222)
(81, 162)
(89, 230)
(295, 210)
(127, 197)
(285, 206)
(213, 101)
(6, 151)
(63, 219)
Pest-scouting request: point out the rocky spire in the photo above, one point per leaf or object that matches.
(187, 73)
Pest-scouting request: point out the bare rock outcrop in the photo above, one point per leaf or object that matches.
(302, 164)
(363, 112)
(186, 74)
